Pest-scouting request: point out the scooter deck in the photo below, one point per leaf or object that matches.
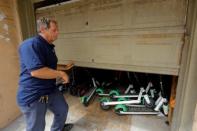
(138, 111)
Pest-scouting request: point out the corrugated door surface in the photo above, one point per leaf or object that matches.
(132, 35)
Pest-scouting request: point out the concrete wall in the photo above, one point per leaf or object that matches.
(27, 20)
(186, 97)
(9, 67)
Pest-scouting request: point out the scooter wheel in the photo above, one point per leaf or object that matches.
(84, 100)
(119, 108)
(99, 91)
(114, 93)
(104, 107)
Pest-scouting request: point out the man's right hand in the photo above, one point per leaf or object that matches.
(64, 77)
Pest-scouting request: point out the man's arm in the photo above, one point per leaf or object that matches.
(47, 73)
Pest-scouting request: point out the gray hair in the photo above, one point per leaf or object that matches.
(44, 22)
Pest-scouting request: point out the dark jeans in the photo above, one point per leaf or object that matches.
(35, 113)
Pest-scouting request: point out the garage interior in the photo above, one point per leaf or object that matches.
(118, 42)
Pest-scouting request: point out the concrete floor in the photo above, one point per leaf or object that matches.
(92, 118)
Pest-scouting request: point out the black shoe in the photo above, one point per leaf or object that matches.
(68, 127)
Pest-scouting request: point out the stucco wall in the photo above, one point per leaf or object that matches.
(9, 66)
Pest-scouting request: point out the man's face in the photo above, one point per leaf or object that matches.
(52, 32)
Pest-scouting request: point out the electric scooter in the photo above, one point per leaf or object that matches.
(86, 99)
(161, 102)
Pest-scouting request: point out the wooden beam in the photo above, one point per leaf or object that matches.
(172, 99)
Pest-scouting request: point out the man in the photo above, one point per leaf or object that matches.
(37, 90)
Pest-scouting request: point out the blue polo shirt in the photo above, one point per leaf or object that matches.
(34, 54)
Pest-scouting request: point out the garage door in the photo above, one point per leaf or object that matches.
(132, 35)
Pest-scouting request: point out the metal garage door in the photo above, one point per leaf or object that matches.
(132, 35)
